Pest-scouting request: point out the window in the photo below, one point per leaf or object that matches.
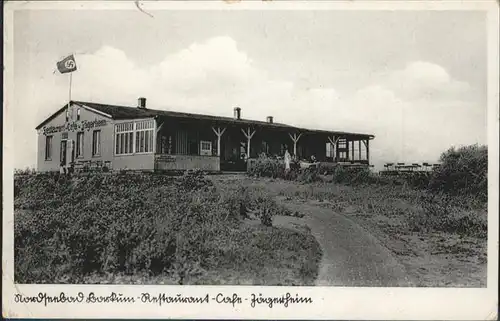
(135, 137)
(264, 147)
(205, 148)
(48, 148)
(214, 147)
(78, 114)
(96, 143)
(283, 148)
(171, 145)
(329, 150)
(124, 138)
(63, 157)
(355, 150)
(162, 147)
(79, 145)
(343, 149)
(144, 136)
(167, 146)
(193, 144)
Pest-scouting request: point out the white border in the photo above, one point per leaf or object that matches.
(329, 302)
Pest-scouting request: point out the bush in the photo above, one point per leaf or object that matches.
(25, 171)
(339, 174)
(440, 212)
(308, 175)
(68, 229)
(463, 171)
(347, 175)
(113, 223)
(266, 167)
(419, 180)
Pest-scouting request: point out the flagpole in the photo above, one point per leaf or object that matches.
(69, 98)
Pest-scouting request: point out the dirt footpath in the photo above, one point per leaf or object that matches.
(351, 255)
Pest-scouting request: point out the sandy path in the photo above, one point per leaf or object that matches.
(351, 255)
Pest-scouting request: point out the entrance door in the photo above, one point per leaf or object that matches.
(342, 150)
(64, 159)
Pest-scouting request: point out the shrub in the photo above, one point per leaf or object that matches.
(67, 228)
(272, 167)
(463, 171)
(25, 171)
(326, 168)
(308, 175)
(121, 223)
(440, 212)
(266, 167)
(419, 180)
(352, 175)
(193, 180)
(269, 167)
(237, 203)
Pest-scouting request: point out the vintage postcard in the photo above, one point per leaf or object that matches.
(251, 159)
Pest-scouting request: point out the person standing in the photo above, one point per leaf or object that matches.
(288, 159)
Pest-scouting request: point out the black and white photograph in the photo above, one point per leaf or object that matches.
(275, 145)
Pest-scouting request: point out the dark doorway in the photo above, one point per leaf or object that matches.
(63, 158)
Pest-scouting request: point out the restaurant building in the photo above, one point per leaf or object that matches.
(86, 135)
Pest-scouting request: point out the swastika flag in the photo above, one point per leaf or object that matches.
(66, 65)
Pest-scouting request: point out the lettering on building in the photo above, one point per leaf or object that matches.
(74, 126)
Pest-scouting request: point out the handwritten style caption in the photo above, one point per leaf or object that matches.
(160, 299)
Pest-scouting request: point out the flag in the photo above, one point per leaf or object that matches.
(66, 65)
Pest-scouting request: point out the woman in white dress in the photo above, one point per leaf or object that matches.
(288, 159)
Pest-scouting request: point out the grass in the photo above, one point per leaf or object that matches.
(440, 239)
(247, 260)
(292, 261)
(197, 231)
(153, 229)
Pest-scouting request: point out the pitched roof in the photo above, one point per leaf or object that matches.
(127, 112)
(51, 117)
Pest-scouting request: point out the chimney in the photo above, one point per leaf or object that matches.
(141, 103)
(237, 113)
(269, 119)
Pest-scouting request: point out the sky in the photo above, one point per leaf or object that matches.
(415, 79)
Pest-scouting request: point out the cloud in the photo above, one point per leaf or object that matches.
(418, 112)
(217, 59)
(213, 76)
(209, 77)
(421, 80)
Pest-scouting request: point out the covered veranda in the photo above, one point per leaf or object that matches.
(211, 143)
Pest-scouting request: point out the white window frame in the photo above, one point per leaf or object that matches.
(143, 126)
(330, 150)
(205, 151)
(124, 132)
(96, 143)
(49, 147)
(80, 145)
(138, 127)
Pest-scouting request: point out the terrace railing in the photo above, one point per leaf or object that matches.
(403, 168)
